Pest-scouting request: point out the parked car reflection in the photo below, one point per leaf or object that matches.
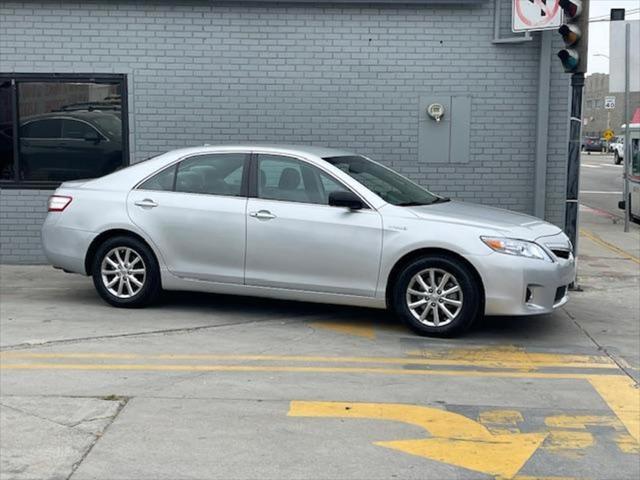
(69, 145)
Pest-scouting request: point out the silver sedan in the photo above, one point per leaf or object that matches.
(304, 223)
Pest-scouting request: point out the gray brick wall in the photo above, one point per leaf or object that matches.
(344, 76)
(21, 215)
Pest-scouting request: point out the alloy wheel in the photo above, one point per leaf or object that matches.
(434, 297)
(123, 272)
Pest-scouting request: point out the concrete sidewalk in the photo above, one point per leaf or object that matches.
(608, 306)
(214, 386)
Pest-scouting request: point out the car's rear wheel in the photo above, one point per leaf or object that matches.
(616, 158)
(437, 296)
(125, 272)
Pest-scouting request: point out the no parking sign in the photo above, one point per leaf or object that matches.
(533, 15)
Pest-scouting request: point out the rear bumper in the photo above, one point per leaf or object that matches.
(522, 286)
(64, 247)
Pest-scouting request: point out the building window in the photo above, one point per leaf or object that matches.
(57, 127)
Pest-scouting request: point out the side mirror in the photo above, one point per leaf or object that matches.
(345, 199)
(92, 137)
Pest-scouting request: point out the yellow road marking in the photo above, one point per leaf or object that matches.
(623, 397)
(501, 421)
(457, 440)
(276, 368)
(580, 422)
(535, 477)
(500, 356)
(571, 442)
(627, 444)
(358, 330)
(502, 417)
(603, 243)
(514, 361)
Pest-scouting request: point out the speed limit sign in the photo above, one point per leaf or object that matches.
(609, 103)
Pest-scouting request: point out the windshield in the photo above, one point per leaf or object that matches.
(384, 182)
(110, 124)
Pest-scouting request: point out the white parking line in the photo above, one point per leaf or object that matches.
(591, 166)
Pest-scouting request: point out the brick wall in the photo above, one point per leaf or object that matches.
(21, 215)
(343, 76)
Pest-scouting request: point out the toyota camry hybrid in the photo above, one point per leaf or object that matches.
(304, 223)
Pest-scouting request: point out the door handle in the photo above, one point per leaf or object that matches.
(146, 203)
(262, 215)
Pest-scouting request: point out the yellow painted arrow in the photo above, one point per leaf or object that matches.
(455, 439)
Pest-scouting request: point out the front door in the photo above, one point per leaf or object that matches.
(295, 240)
(195, 215)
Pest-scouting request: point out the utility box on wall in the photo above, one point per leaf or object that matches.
(446, 140)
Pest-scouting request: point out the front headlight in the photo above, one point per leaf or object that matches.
(520, 248)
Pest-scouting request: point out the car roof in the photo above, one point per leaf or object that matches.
(314, 150)
(79, 114)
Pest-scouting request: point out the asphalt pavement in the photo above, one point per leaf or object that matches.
(601, 182)
(212, 386)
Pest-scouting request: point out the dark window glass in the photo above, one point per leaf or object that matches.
(216, 174)
(162, 181)
(635, 156)
(291, 180)
(384, 182)
(69, 129)
(79, 130)
(46, 128)
(6, 130)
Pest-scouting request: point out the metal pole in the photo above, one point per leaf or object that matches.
(627, 120)
(542, 125)
(573, 163)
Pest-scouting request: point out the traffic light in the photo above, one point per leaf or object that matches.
(574, 32)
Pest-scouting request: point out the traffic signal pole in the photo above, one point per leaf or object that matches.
(627, 117)
(573, 161)
(575, 33)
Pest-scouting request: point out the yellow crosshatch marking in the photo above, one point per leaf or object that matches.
(514, 357)
(623, 397)
(455, 439)
(501, 421)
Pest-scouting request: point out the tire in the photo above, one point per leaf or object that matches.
(469, 293)
(616, 158)
(142, 274)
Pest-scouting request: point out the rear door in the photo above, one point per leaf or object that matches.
(194, 212)
(41, 151)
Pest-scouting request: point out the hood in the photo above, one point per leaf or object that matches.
(495, 221)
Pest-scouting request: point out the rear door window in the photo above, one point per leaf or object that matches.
(163, 181)
(212, 174)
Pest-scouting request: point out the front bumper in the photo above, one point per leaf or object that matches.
(64, 247)
(522, 286)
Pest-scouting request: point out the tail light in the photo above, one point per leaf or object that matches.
(57, 203)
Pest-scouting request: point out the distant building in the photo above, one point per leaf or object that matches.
(597, 119)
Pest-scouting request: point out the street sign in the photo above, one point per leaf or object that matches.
(609, 103)
(617, 60)
(534, 15)
(608, 134)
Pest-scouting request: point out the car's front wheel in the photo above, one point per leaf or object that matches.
(437, 296)
(125, 272)
(616, 158)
